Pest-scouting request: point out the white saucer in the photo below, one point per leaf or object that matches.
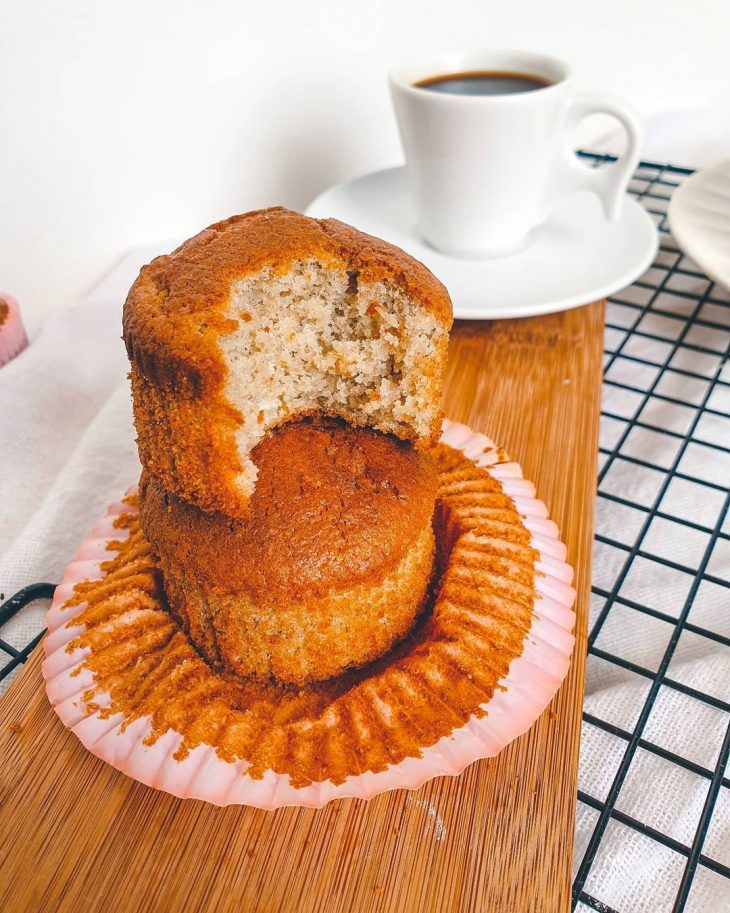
(574, 258)
(699, 219)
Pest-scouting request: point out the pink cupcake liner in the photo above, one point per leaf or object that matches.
(521, 696)
(12, 332)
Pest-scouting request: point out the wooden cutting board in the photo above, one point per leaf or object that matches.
(78, 836)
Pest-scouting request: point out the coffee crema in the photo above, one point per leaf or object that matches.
(484, 82)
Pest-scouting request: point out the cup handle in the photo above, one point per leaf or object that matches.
(608, 182)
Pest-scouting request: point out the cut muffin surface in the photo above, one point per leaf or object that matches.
(268, 317)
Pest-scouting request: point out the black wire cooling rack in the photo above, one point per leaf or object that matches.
(667, 342)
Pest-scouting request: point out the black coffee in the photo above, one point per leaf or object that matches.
(484, 82)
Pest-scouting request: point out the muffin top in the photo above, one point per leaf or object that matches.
(178, 303)
(267, 317)
(333, 506)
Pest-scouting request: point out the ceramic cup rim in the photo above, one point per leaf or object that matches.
(404, 76)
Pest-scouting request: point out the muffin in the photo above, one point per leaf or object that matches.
(328, 569)
(12, 332)
(268, 317)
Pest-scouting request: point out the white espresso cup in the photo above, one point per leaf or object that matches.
(485, 170)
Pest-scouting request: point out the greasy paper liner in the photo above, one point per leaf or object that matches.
(12, 332)
(533, 678)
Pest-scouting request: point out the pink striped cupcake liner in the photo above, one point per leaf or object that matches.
(521, 696)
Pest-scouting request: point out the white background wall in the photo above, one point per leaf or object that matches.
(139, 120)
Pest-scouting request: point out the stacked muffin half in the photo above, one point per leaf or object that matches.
(286, 376)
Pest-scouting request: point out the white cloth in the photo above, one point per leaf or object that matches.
(68, 450)
(67, 446)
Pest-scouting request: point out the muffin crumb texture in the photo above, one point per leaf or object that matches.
(315, 340)
(268, 317)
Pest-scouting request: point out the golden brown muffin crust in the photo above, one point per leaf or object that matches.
(175, 314)
(176, 308)
(334, 506)
(365, 720)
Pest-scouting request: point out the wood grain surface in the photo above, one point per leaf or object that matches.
(78, 836)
